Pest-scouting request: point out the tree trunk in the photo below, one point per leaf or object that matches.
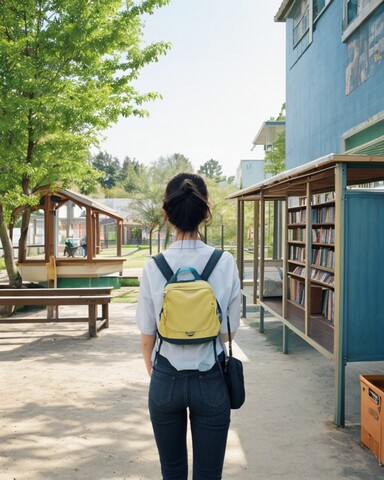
(150, 241)
(24, 234)
(14, 277)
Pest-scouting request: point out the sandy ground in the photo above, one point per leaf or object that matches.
(75, 408)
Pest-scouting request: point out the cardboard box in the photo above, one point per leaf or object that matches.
(372, 418)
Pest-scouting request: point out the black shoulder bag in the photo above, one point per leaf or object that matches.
(234, 376)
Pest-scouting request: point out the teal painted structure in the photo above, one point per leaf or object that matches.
(364, 276)
(326, 95)
(78, 282)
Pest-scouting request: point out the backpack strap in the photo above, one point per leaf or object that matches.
(212, 262)
(164, 268)
(168, 273)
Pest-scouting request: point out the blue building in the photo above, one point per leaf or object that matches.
(249, 172)
(335, 78)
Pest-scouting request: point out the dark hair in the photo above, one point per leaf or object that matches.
(186, 201)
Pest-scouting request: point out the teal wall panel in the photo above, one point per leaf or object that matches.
(79, 282)
(364, 276)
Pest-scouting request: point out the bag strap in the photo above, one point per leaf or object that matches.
(229, 337)
(168, 273)
(164, 268)
(212, 262)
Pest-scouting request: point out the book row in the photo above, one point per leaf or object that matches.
(296, 234)
(324, 257)
(296, 253)
(318, 275)
(323, 214)
(323, 235)
(324, 277)
(297, 216)
(296, 291)
(322, 299)
(328, 305)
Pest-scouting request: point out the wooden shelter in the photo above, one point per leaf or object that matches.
(331, 262)
(93, 264)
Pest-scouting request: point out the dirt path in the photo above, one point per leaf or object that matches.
(74, 408)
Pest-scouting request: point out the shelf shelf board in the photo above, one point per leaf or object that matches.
(291, 302)
(297, 262)
(322, 268)
(296, 275)
(329, 203)
(322, 284)
(321, 338)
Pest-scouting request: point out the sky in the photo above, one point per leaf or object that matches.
(223, 77)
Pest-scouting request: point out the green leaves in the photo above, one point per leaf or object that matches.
(66, 72)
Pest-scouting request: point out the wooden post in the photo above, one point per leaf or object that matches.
(96, 233)
(49, 227)
(262, 258)
(285, 278)
(119, 228)
(92, 313)
(240, 240)
(308, 260)
(89, 237)
(256, 218)
(339, 339)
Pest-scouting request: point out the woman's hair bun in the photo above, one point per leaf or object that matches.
(188, 186)
(186, 201)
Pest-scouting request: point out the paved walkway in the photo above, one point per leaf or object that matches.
(74, 408)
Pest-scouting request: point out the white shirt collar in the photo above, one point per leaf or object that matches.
(191, 244)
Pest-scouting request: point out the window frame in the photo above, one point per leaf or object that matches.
(362, 14)
(321, 11)
(306, 13)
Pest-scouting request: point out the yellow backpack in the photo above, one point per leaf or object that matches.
(190, 312)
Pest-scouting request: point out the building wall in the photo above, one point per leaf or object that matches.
(249, 172)
(319, 111)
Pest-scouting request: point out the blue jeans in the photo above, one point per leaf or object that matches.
(171, 394)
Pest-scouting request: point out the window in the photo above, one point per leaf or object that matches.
(319, 7)
(356, 12)
(351, 10)
(300, 21)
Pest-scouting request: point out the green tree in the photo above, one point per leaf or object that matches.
(224, 215)
(211, 169)
(66, 74)
(109, 167)
(152, 181)
(130, 175)
(275, 158)
(167, 167)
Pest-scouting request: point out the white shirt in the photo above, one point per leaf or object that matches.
(225, 283)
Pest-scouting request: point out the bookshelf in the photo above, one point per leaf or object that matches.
(332, 259)
(310, 265)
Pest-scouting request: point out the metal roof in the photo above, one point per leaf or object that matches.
(321, 173)
(268, 132)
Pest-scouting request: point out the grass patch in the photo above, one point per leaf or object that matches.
(130, 282)
(2, 264)
(137, 259)
(130, 295)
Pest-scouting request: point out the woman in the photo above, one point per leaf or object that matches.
(187, 378)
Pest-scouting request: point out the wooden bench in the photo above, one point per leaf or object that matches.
(54, 297)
